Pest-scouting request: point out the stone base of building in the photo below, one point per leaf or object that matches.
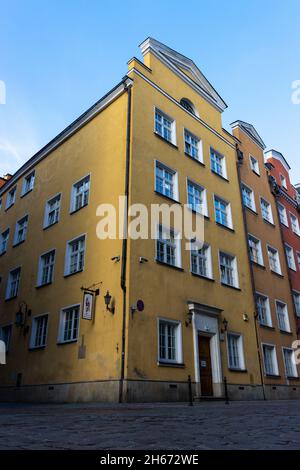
(136, 391)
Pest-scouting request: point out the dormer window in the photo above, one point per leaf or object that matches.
(188, 105)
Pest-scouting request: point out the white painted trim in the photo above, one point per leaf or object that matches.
(60, 325)
(261, 294)
(293, 363)
(276, 301)
(72, 210)
(38, 284)
(278, 258)
(16, 226)
(260, 248)
(228, 204)
(205, 206)
(83, 235)
(236, 271)
(275, 355)
(254, 171)
(179, 348)
(252, 196)
(33, 331)
(176, 183)
(45, 209)
(200, 145)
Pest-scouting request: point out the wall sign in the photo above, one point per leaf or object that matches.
(88, 306)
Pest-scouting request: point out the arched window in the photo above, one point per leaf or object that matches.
(188, 105)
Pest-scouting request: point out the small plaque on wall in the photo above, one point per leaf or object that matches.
(88, 306)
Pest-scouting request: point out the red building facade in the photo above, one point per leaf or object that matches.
(288, 203)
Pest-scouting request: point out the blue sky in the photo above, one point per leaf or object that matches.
(58, 57)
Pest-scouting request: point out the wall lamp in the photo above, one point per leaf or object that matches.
(225, 325)
(107, 300)
(21, 316)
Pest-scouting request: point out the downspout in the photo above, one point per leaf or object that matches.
(238, 165)
(124, 242)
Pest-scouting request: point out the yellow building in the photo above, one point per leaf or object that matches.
(157, 137)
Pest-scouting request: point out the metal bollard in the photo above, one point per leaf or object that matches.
(226, 391)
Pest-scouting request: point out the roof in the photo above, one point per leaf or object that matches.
(250, 130)
(178, 63)
(278, 156)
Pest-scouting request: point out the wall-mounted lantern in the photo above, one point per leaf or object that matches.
(107, 300)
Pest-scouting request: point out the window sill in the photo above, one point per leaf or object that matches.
(285, 332)
(27, 192)
(162, 263)
(36, 348)
(2, 253)
(167, 197)
(194, 159)
(171, 364)
(7, 208)
(277, 274)
(202, 277)
(11, 298)
(241, 371)
(261, 266)
(291, 377)
(198, 213)
(50, 225)
(73, 274)
(268, 327)
(220, 176)
(19, 243)
(255, 172)
(77, 210)
(40, 286)
(269, 223)
(230, 287)
(165, 140)
(251, 210)
(225, 227)
(62, 343)
(273, 376)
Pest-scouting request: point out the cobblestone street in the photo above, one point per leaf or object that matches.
(239, 425)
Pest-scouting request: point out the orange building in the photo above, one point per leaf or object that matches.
(275, 321)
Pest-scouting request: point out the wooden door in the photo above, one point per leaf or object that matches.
(205, 366)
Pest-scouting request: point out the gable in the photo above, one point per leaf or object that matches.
(250, 131)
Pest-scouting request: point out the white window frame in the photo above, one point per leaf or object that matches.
(162, 166)
(61, 328)
(17, 228)
(9, 282)
(223, 172)
(251, 197)
(33, 335)
(228, 211)
(274, 359)
(198, 146)
(271, 248)
(260, 259)
(41, 267)
(172, 140)
(166, 243)
(240, 347)
(270, 212)
(10, 201)
(2, 240)
(68, 253)
(75, 185)
(254, 166)
(290, 258)
(56, 197)
(283, 180)
(294, 219)
(287, 327)
(294, 367)
(268, 314)
(31, 178)
(282, 214)
(207, 256)
(235, 274)
(178, 340)
(296, 299)
(2, 338)
(198, 186)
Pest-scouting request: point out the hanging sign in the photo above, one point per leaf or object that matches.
(88, 306)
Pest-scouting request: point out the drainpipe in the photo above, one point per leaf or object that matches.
(255, 314)
(124, 242)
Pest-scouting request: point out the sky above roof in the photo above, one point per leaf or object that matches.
(59, 57)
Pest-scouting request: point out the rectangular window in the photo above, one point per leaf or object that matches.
(168, 247)
(282, 316)
(13, 282)
(290, 257)
(295, 224)
(254, 164)
(21, 230)
(5, 335)
(248, 197)
(218, 163)
(266, 210)
(80, 194)
(196, 198)
(235, 351)
(296, 296)
(11, 198)
(270, 359)
(274, 260)
(46, 268)
(289, 362)
(165, 126)
(28, 183)
(75, 256)
(263, 310)
(283, 181)
(282, 214)
(166, 181)
(228, 268)
(69, 324)
(52, 211)
(4, 241)
(255, 250)
(170, 341)
(39, 332)
(192, 145)
(222, 212)
(201, 261)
